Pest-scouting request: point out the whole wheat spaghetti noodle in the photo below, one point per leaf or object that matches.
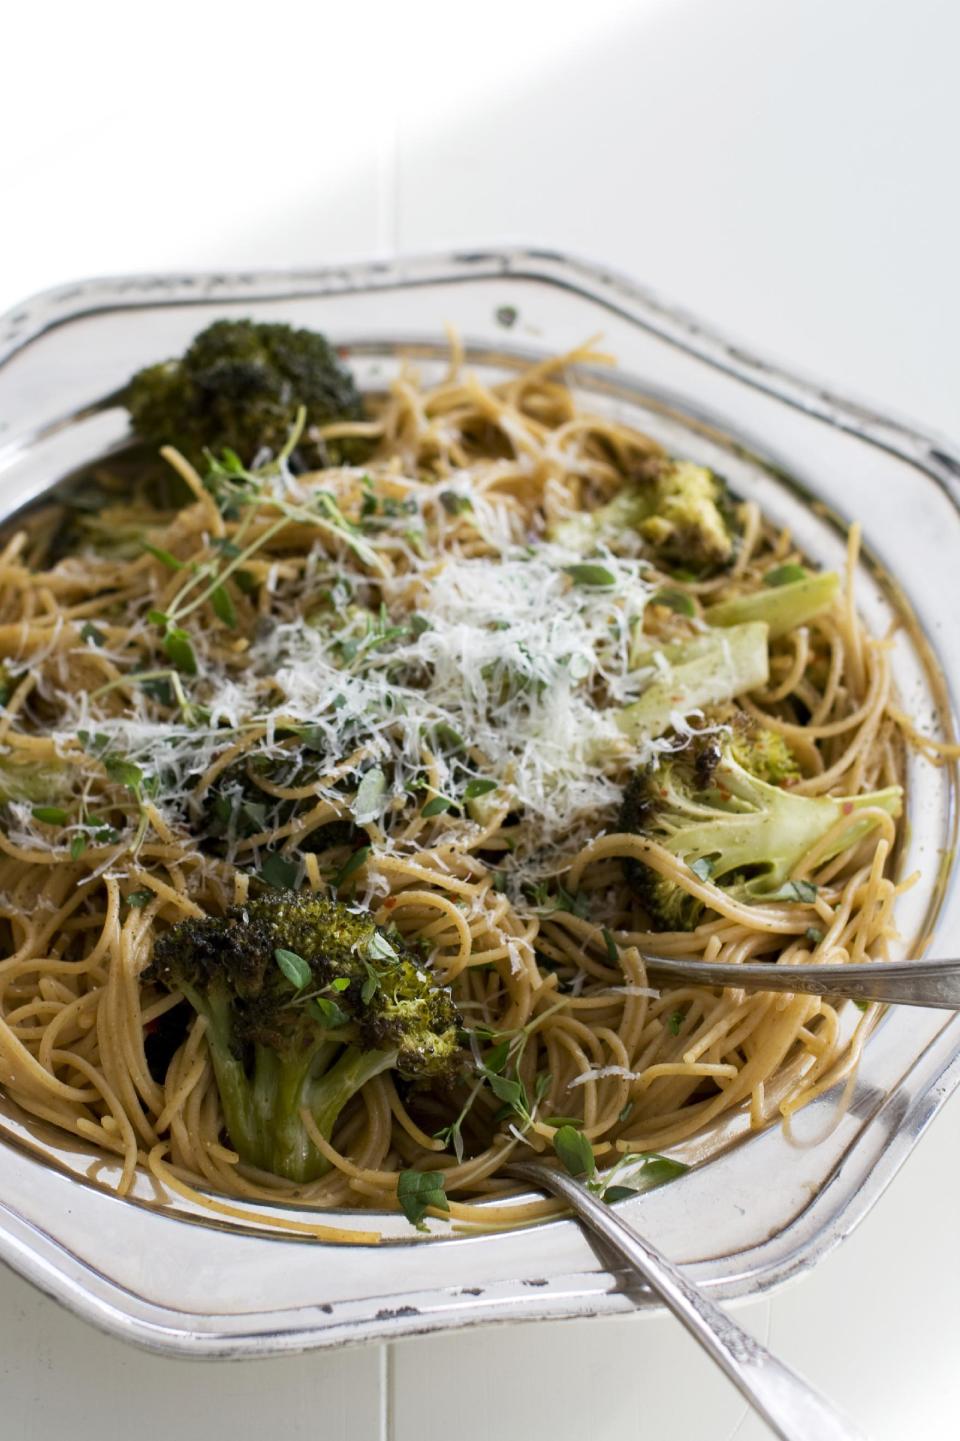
(386, 681)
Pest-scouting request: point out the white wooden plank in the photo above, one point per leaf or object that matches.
(640, 1378)
(60, 1377)
(876, 1325)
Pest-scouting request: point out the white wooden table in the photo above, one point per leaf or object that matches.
(786, 168)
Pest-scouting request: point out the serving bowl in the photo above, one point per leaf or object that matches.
(756, 1208)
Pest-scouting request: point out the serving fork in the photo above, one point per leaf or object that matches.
(901, 983)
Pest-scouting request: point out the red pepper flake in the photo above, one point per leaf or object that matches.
(848, 808)
(389, 903)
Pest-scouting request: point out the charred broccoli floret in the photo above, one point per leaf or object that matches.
(684, 515)
(718, 806)
(689, 523)
(305, 1001)
(759, 749)
(239, 387)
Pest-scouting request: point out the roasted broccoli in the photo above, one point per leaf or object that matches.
(706, 670)
(239, 387)
(305, 1001)
(781, 607)
(717, 805)
(684, 515)
(41, 783)
(690, 520)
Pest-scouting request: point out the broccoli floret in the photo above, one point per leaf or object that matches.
(690, 520)
(763, 752)
(707, 670)
(711, 807)
(239, 387)
(684, 515)
(366, 1005)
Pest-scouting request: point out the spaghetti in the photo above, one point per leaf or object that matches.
(386, 682)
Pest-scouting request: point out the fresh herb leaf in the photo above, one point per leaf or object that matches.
(294, 967)
(159, 690)
(506, 315)
(351, 866)
(455, 504)
(675, 1022)
(613, 954)
(138, 899)
(223, 606)
(496, 1057)
(675, 600)
(452, 1135)
(176, 644)
(124, 772)
(437, 806)
(803, 891)
(328, 1013)
(547, 901)
(625, 1113)
(478, 787)
(586, 573)
(340, 984)
(77, 847)
(417, 1191)
(163, 556)
(96, 744)
(448, 739)
(90, 634)
(278, 871)
(50, 815)
(370, 986)
(617, 1193)
(657, 1170)
(785, 574)
(507, 1090)
(813, 935)
(635, 1174)
(575, 1152)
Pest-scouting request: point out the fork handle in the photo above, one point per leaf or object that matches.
(904, 983)
(792, 1408)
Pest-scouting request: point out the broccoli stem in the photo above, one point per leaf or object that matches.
(330, 1093)
(760, 825)
(707, 670)
(33, 782)
(235, 1096)
(781, 607)
(273, 1134)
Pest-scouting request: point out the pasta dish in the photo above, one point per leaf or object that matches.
(354, 753)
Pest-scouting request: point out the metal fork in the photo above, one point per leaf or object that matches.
(792, 1408)
(901, 983)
